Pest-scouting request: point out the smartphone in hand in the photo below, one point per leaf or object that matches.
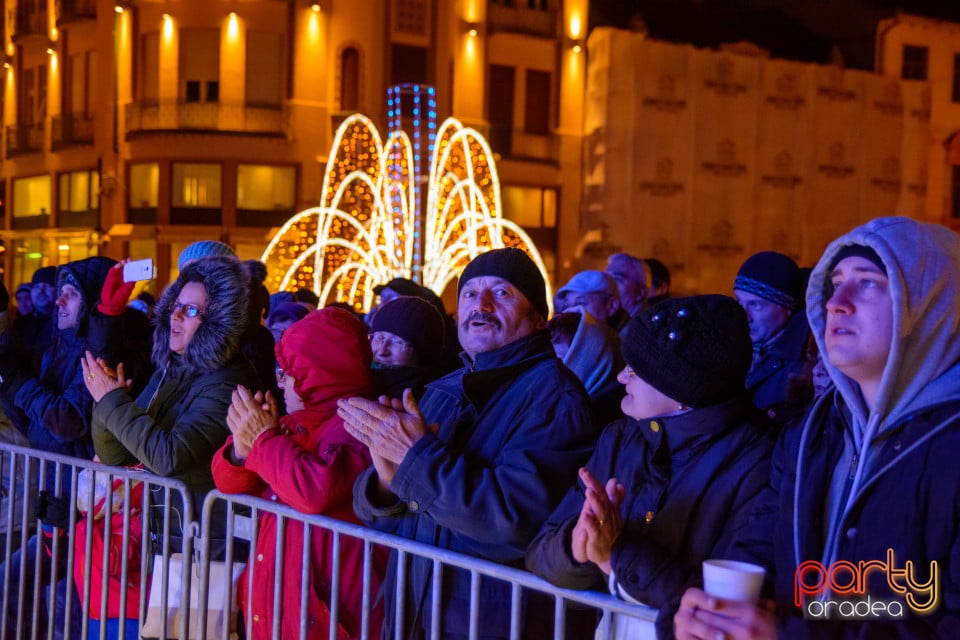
(138, 270)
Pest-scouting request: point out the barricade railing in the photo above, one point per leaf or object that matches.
(48, 554)
(189, 590)
(441, 559)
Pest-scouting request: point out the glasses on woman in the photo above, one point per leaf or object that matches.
(189, 310)
(379, 340)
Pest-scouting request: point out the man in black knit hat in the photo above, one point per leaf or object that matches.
(507, 433)
(769, 287)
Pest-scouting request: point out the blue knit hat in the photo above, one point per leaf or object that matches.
(203, 249)
(772, 276)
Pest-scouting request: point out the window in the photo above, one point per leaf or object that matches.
(350, 79)
(79, 191)
(31, 197)
(199, 64)
(195, 185)
(192, 93)
(32, 94)
(144, 185)
(530, 207)
(143, 190)
(82, 80)
(408, 64)
(149, 76)
(537, 111)
(264, 64)
(956, 77)
(914, 63)
(500, 108)
(265, 188)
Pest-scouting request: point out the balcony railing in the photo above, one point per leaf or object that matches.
(73, 10)
(23, 139)
(71, 129)
(534, 22)
(178, 115)
(31, 21)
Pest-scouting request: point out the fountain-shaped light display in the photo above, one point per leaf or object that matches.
(368, 228)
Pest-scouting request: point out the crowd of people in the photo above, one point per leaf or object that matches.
(804, 418)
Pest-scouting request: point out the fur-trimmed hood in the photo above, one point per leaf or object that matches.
(217, 340)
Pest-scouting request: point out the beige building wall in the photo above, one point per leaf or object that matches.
(702, 158)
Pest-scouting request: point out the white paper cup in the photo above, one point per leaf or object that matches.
(731, 580)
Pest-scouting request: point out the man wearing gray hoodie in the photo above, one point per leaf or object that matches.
(859, 529)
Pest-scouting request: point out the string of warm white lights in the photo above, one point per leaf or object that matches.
(365, 232)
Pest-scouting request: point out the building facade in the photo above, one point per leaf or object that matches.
(927, 50)
(703, 157)
(134, 127)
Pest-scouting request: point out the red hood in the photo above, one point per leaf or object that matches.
(328, 354)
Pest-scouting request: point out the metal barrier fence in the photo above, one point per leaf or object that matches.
(130, 527)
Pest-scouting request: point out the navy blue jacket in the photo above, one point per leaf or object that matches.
(690, 483)
(910, 504)
(770, 380)
(514, 428)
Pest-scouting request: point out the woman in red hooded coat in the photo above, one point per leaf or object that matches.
(308, 461)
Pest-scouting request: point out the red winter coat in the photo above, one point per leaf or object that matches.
(114, 586)
(310, 463)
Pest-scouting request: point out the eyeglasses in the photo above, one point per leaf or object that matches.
(188, 310)
(281, 376)
(378, 341)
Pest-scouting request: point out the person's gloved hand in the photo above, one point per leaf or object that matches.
(116, 292)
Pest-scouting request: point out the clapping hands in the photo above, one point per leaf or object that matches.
(249, 415)
(600, 523)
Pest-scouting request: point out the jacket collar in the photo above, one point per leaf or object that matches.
(683, 434)
(491, 370)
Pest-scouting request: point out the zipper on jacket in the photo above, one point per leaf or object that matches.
(853, 465)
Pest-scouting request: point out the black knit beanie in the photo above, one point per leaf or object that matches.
(514, 266)
(858, 251)
(696, 350)
(416, 321)
(45, 275)
(772, 276)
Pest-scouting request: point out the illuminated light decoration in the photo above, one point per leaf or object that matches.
(368, 228)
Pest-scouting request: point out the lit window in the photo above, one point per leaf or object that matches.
(196, 185)
(144, 185)
(530, 207)
(31, 196)
(265, 188)
(78, 191)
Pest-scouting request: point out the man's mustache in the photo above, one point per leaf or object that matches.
(481, 316)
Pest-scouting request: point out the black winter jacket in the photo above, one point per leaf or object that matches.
(179, 420)
(690, 481)
(514, 428)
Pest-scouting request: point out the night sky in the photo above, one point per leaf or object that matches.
(807, 30)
